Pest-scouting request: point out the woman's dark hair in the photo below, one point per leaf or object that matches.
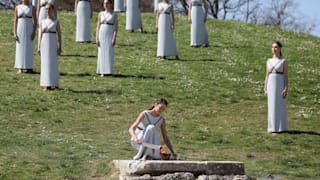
(109, 1)
(280, 46)
(159, 101)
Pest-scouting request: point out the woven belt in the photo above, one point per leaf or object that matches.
(276, 73)
(49, 32)
(24, 17)
(108, 23)
(43, 5)
(196, 4)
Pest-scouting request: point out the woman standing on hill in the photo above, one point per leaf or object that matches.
(49, 47)
(197, 16)
(145, 130)
(34, 3)
(83, 12)
(133, 16)
(276, 89)
(155, 5)
(119, 6)
(106, 35)
(165, 27)
(41, 12)
(24, 33)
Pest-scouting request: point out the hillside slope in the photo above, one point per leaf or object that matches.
(216, 110)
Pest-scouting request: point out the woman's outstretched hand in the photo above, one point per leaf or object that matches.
(138, 141)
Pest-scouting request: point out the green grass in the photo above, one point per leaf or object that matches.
(216, 111)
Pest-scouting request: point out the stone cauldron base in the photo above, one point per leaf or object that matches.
(175, 170)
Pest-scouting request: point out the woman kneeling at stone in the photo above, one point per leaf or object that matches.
(145, 131)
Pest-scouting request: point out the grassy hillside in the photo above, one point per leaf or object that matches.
(216, 111)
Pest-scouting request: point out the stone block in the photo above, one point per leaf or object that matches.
(156, 168)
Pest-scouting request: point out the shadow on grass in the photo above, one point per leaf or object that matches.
(203, 60)
(137, 76)
(32, 72)
(114, 76)
(151, 32)
(79, 74)
(106, 91)
(229, 46)
(78, 55)
(296, 132)
(124, 45)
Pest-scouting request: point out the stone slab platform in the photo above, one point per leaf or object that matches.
(154, 167)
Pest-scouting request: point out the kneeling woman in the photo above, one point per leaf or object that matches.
(145, 130)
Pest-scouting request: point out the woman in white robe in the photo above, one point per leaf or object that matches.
(133, 16)
(276, 90)
(119, 6)
(41, 12)
(34, 3)
(165, 27)
(106, 34)
(145, 130)
(155, 5)
(83, 12)
(24, 33)
(49, 48)
(197, 16)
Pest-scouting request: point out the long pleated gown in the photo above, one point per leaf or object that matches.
(148, 133)
(106, 50)
(119, 6)
(199, 33)
(133, 16)
(155, 5)
(277, 105)
(34, 3)
(83, 27)
(166, 42)
(24, 46)
(42, 12)
(49, 76)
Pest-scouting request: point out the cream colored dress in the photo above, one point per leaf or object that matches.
(83, 27)
(106, 50)
(133, 16)
(119, 6)
(277, 105)
(199, 33)
(49, 76)
(147, 132)
(24, 44)
(166, 42)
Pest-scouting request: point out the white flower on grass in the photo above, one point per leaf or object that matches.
(305, 112)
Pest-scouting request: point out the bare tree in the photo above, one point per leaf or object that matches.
(251, 9)
(9, 4)
(277, 13)
(283, 14)
(280, 13)
(231, 7)
(213, 7)
(185, 6)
